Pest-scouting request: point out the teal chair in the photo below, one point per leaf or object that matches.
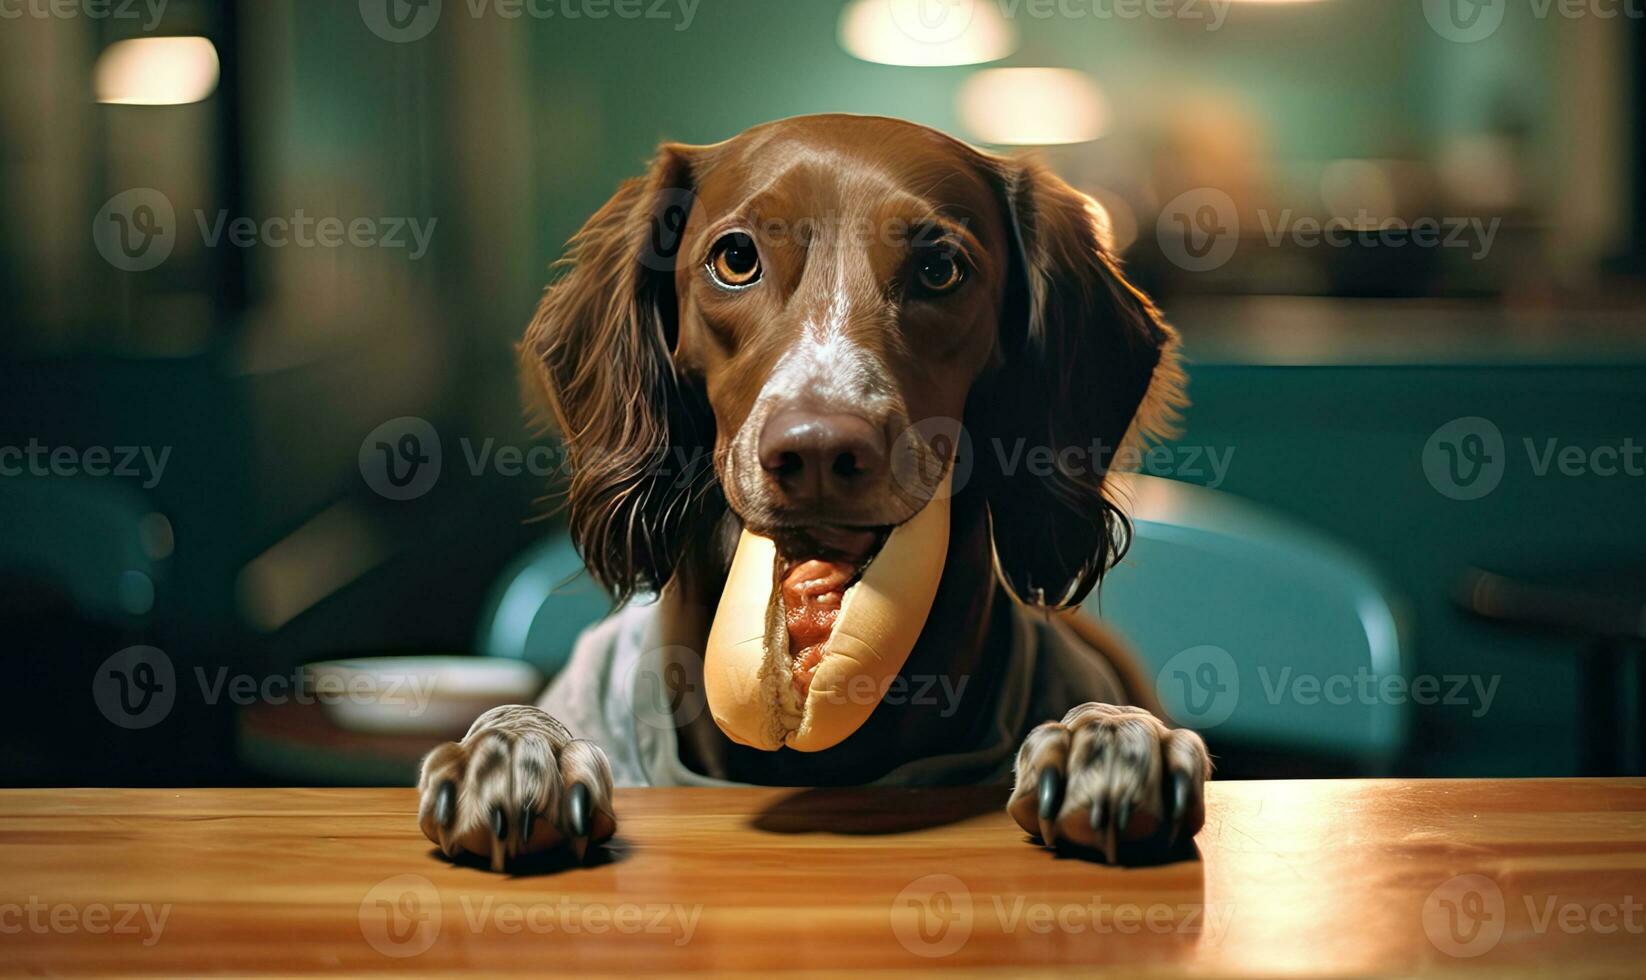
(539, 605)
(1256, 628)
(1237, 612)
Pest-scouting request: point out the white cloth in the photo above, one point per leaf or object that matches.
(617, 687)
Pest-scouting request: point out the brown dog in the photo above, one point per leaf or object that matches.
(832, 309)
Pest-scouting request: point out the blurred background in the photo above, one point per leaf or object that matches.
(262, 265)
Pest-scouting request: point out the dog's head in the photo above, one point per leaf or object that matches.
(794, 324)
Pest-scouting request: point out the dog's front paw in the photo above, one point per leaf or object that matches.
(518, 783)
(1111, 780)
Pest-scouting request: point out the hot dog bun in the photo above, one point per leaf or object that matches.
(747, 669)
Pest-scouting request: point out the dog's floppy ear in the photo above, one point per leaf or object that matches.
(1086, 364)
(641, 497)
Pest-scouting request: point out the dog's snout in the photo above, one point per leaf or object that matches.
(812, 455)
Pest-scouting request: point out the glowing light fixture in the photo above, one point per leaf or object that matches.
(156, 71)
(926, 33)
(1032, 106)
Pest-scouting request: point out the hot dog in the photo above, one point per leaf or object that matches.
(801, 651)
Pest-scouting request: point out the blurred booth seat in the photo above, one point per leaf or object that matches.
(1258, 630)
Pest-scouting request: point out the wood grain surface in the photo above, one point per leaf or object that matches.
(1487, 878)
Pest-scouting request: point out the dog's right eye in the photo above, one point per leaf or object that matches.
(734, 263)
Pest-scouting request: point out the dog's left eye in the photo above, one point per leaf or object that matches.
(735, 263)
(938, 272)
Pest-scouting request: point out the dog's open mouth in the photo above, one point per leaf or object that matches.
(814, 568)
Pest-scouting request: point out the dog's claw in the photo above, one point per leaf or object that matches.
(1051, 801)
(577, 818)
(1100, 814)
(445, 804)
(1051, 793)
(500, 823)
(526, 817)
(577, 810)
(1180, 805)
(1123, 817)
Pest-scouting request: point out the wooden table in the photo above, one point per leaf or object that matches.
(1302, 878)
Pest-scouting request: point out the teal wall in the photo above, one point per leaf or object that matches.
(1316, 82)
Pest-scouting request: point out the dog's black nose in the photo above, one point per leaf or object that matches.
(814, 455)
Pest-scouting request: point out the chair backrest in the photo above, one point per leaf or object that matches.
(1256, 626)
(539, 605)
